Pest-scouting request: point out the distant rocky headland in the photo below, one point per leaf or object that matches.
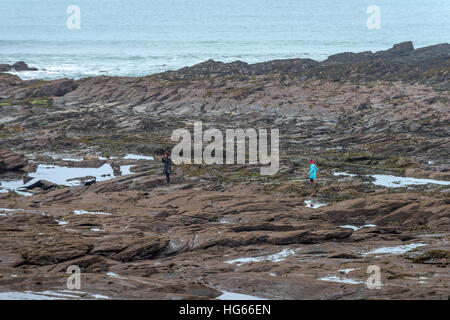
(427, 65)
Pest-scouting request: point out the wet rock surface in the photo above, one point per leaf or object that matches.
(10, 160)
(18, 66)
(42, 184)
(362, 117)
(5, 67)
(22, 66)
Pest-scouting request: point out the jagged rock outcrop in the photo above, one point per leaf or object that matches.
(5, 67)
(18, 66)
(9, 81)
(22, 66)
(55, 88)
(10, 160)
(41, 184)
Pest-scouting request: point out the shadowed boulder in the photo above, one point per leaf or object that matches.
(22, 66)
(11, 161)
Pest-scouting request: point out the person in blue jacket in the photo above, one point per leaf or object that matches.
(313, 171)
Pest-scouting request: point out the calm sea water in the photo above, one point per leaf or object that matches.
(139, 37)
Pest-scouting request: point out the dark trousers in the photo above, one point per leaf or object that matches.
(168, 177)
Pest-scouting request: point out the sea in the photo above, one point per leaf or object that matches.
(84, 38)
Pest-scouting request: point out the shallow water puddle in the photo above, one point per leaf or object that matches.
(68, 176)
(277, 257)
(138, 157)
(344, 174)
(125, 170)
(112, 274)
(340, 280)
(72, 159)
(47, 295)
(12, 185)
(397, 182)
(15, 295)
(355, 228)
(313, 204)
(390, 181)
(395, 250)
(237, 296)
(90, 212)
(10, 212)
(116, 276)
(422, 280)
(346, 271)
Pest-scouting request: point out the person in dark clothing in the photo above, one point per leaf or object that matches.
(167, 166)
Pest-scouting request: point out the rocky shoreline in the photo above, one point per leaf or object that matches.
(18, 66)
(369, 120)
